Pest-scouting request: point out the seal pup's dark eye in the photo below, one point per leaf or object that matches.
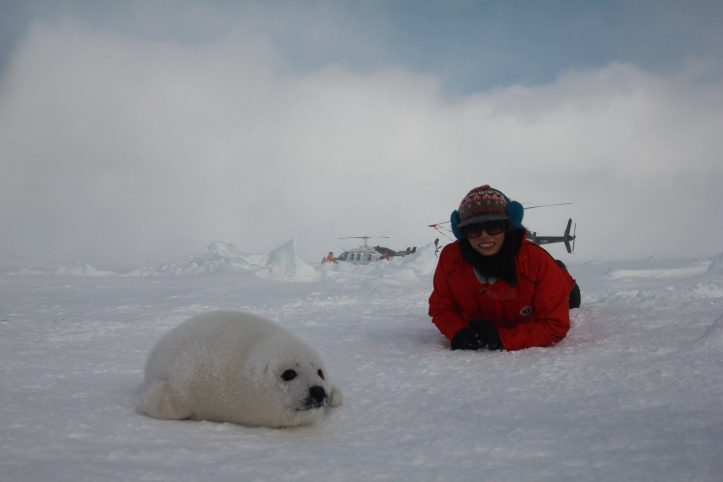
(288, 375)
(321, 374)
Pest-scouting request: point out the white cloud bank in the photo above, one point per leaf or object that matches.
(115, 150)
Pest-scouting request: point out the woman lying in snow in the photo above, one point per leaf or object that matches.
(494, 289)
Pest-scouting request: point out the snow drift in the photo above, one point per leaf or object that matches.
(220, 258)
(698, 268)
(713, 336)
(82, 270)
(284, 264)
(73, 270)
(716, 265)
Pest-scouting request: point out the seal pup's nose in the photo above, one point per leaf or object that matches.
(317, 394)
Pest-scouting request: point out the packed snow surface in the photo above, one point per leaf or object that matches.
(634, 392)
(696, 269)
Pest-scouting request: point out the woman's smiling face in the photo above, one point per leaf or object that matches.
(487, 244)
(486, 238)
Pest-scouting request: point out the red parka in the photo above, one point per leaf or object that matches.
(533, 313)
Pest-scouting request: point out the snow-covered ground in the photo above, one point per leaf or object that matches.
(635, 391)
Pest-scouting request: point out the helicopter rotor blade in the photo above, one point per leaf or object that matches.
(363, 237)
(546, 205)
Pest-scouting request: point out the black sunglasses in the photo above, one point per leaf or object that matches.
(492, 228)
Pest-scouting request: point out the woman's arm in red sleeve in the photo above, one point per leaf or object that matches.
(551, 315)
(443, 307)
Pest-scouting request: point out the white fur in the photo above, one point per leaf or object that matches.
(226, 366)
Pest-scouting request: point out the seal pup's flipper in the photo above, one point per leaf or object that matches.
(161, 401)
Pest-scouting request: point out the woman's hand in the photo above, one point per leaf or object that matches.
(465, 339)
(481, 335)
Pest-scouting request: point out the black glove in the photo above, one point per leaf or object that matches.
(486, 335)
(481, 335)
(465, 339)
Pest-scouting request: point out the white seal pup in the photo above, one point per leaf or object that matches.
(228, 366)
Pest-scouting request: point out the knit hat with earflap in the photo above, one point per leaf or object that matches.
(484, 204)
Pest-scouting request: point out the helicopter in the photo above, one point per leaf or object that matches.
(368, 254)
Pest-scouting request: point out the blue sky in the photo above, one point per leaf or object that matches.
(477, 45)
(470, 45)
(138, 132)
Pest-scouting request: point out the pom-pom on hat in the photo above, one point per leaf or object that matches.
(484, 204)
